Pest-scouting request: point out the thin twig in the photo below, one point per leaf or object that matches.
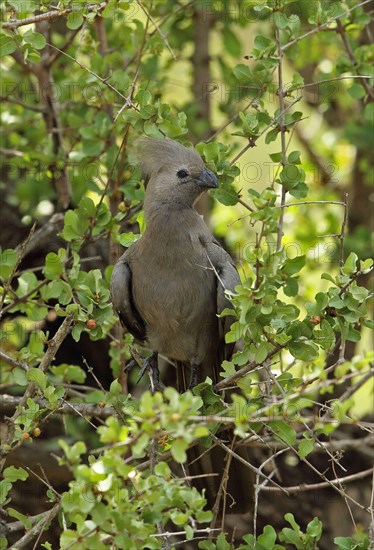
(243, 461)
(104, 81)
(342, 231)
(163, 37)
(309, 84)
(13, 362)
(181, 533)
(313, 202)
(259, 487)
(303, 487)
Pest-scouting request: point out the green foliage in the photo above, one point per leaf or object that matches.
(111, 495)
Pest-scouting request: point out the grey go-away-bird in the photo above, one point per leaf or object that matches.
(168, 289)
(169, 286)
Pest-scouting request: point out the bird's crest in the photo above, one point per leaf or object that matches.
(154, 154)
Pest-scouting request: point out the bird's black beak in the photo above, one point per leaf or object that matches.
(207, 179)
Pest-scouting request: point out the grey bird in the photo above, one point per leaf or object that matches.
(169, 286)
(168, 289)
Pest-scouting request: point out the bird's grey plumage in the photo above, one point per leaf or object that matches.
(169, 286)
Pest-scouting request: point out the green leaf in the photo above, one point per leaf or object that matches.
(345, 543)
(178, 450)
(297, 81)
(321, 302)
(291, 520)
(242, 73)
(189, 532)
(127, 239)
(74, 20)
(74, 225)
(92, 147)
(290, 176)
(283, 431)
(138, 449)
(303, 350)
(73, 452)
(232, 42)
(271, 135)
(357, 91)
(62, 291)
(268, 537)
(325, 337)
(69, 373)
(300, 191)
(21, 517)
(350, 264)
(8, 259)
(276, 157)
(179, 518)
(226, 195)
(291, 287)
(7, 45)
(221, 542)
(366, 265)
(262, 352)
(212, 151)
(19, 376)
(293, 265)
(280, 20)
(328, 277)
(13, 474)
(53, 266)
(35, 39)
(358, 292)
(292, 537)
(37, 376)
(305, 447)
(162, 469)
(263, 43)
(314, 529)
(294, 157)
(115, 388)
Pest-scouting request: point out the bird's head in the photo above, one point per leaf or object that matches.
(172, 172)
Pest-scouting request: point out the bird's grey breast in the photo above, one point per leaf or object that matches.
(172, 285)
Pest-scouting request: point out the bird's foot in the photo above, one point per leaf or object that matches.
(194, 377)
(149, 366)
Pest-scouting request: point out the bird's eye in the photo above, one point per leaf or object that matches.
(182, 174)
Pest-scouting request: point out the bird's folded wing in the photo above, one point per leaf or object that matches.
(227, 279)
(122, 299)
